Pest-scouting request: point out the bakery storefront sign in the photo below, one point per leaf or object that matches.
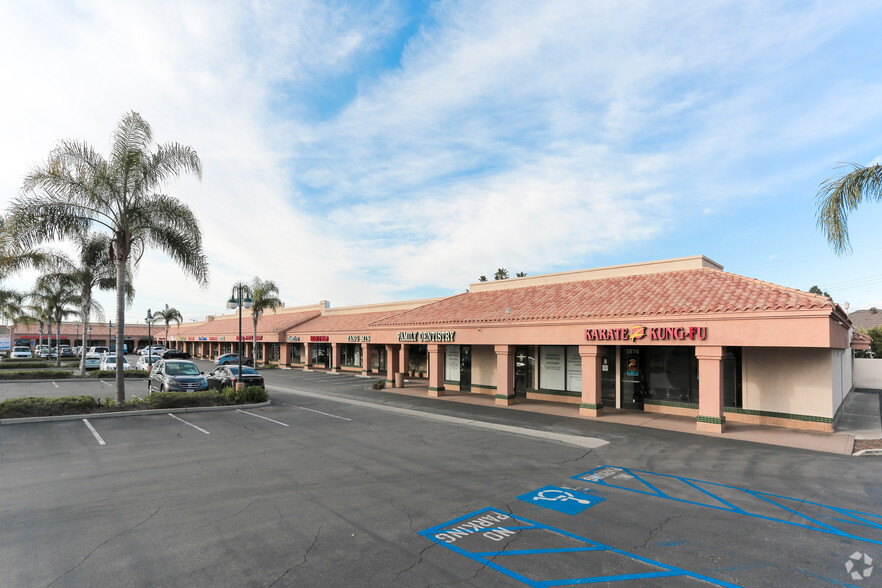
(640, 332)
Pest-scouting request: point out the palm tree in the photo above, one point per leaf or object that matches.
(55, 295)
(77, 189)
(521, 275)
(168, 316)
(838, 196)
(265, 296)
(94, 269)
(11, 309)
(482, 278)
(501, 274)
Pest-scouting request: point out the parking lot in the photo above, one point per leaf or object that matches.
(336, 484)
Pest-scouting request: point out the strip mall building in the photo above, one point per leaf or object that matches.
(677, 336)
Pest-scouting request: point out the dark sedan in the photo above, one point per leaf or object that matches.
(231, 359)
(227, 376)
(175, 354)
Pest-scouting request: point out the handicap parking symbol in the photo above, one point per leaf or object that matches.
(568, 502)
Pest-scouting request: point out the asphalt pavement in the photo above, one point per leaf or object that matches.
(336, 484)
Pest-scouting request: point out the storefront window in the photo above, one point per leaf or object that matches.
(350, 355)
(418, 358)
(732, 377)
(295, 352)
(672, 374)
(552, 372)
(275, 352)
(378, 358)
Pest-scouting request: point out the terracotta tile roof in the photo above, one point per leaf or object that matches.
(351, 322)
(229, 324)
(698, 291)
(98, 330)
(866, 319)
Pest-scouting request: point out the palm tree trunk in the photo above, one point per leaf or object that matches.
(120, 324)
(58, 343)
(87, 303)
(254, 320)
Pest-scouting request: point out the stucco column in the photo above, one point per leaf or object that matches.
(591, 404)
(404, 359)
(307, 355)
(505, 374)
(436, 369)
(391, 364)
(710, 389)
(284, 355)
(335, 357)
(365, 359)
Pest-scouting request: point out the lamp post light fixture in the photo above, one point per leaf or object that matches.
(239, 298)
(149, 320)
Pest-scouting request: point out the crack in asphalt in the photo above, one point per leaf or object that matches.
(305, 557)
(108, 540)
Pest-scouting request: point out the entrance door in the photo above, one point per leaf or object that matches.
(523, 379)
(465, 368)
(608, 376)
(633, 377)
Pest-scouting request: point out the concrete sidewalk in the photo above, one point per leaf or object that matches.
(857, 420)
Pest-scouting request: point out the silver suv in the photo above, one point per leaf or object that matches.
(175, 375)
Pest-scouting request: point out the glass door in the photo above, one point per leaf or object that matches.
(608, 376)
(465, 368)
(633, 378)
(524, 361)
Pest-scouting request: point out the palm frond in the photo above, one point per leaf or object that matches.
(840, 195)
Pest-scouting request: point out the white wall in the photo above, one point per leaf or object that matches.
(788, 380)
(868, 373)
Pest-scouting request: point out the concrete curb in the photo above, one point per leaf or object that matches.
(128, 413)
(863, 452)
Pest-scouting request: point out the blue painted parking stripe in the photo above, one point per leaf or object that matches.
(495, 525)
(815, 521)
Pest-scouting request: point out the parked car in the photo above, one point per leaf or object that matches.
(232, 358)
(66, 351)
(175, 375)
(147, 362)
(175, 354)
(46, 352)
(227, 376)
(155, 349)
(92, 361)
(99, 350)
(108, 362)
(20, 353)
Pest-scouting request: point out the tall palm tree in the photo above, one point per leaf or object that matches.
(838, 196)
(77, 189)
(168, 316)
(265, 296)
(93, 269)
(501, 274)
(482, 278)
(57, 297)
(11, 309)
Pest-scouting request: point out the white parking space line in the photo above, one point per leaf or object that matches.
(94, 432)
(55, 384)
(320, 412)
(262, 417)
(106, 384)
(191, 424)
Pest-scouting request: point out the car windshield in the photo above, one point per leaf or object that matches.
(245, 370)
(20, 349)
(181, 369)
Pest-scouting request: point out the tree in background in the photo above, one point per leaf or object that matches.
(816, 290)
(501, 274)
(265, 296)
(838, 196)
(168, 315)
(77, 189)
(875, 334)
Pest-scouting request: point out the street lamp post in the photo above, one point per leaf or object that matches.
(149, 321)
(110, 336)
(88, 340)
(240, 298)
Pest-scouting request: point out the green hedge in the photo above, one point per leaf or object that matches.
(34, 407)
(47, 374)
(33, 364)
(112, 374)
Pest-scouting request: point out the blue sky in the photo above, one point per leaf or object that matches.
(369, 151)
